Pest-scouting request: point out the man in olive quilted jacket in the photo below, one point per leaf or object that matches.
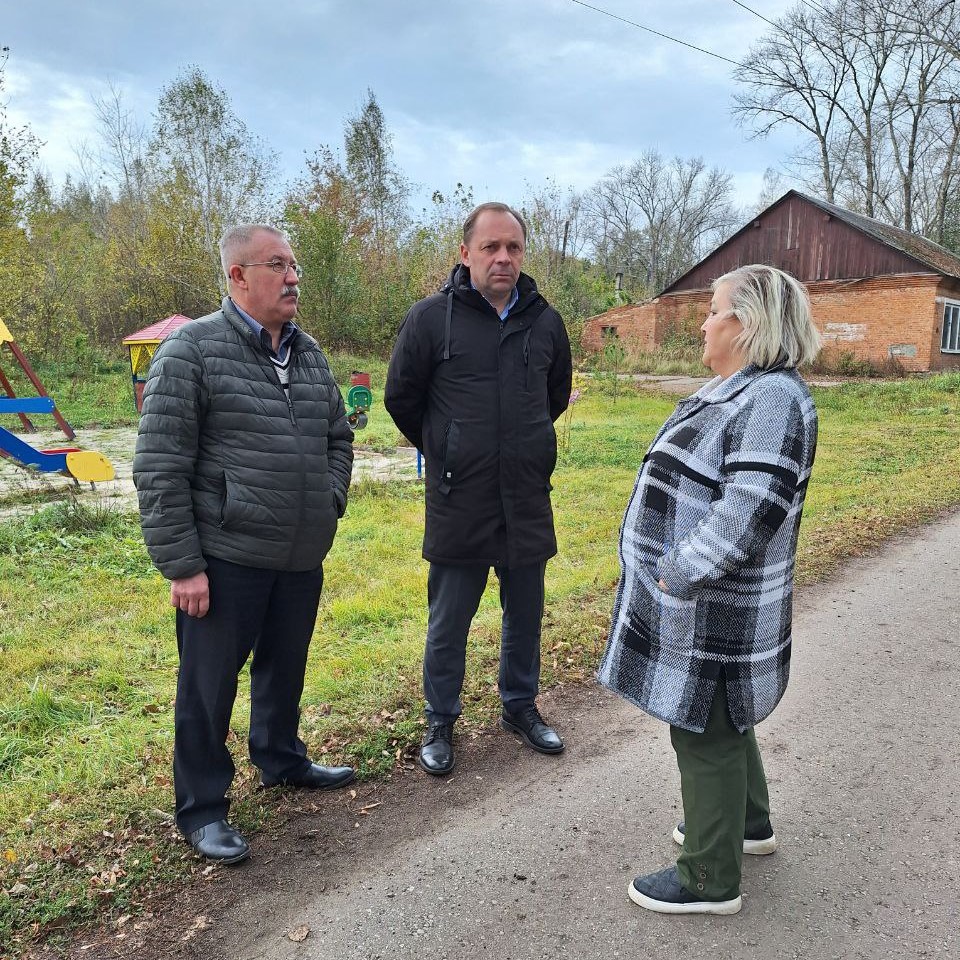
(242, 468)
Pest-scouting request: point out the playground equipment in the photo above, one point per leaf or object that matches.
(85, 465)
(142, 345)
(359, 399)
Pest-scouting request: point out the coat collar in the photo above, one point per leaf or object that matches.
(726, 389)
(459, 282)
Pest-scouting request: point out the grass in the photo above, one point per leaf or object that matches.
(88, 656)
(95, 393)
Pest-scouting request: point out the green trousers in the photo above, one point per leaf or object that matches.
(724, 795)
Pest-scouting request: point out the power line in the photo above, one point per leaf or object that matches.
(657, 33)
(754, 12)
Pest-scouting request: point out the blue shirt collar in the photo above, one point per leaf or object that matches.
(514, 297)
(286, 333)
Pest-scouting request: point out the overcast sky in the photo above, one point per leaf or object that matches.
(493, 94)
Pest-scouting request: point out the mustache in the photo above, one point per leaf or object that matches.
(289, 291)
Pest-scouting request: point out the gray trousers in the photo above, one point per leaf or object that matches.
(453, 595)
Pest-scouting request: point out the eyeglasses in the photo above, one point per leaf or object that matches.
(277, 266)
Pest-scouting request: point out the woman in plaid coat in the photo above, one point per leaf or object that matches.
(700, 634)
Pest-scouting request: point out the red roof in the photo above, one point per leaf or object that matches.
(157, 331)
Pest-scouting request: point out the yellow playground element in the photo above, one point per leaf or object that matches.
(81, 465)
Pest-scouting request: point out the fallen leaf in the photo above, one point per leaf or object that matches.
(10, 855)
(299, 934)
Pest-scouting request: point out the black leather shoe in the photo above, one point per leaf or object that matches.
(219, 841)
(535, 733)
(316, 777)
(436, 752)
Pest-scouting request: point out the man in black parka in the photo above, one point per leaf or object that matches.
(480, 372)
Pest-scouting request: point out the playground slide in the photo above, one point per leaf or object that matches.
(85, 465)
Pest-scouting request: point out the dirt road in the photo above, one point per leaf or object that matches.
(520, 856)
(116, 444)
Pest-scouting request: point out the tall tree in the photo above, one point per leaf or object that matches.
(873, 86)
(18, 149)
(380, 188)
(327, 231)
(203, 147)
(654, 218)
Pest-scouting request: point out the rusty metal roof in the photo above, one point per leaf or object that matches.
(937, 258)
(908, 252)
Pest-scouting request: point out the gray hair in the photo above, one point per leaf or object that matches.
(236, 239)
(774, 309)
(496, 207)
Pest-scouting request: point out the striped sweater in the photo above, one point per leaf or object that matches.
(715, 514)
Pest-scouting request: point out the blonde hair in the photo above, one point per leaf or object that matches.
(774, 308)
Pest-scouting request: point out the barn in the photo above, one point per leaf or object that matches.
(880, 294)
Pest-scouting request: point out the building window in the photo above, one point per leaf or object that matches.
(610, 333)
(950, 334)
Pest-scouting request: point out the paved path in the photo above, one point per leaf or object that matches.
(520, 856)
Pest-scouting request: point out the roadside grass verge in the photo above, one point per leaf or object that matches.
(88, 657)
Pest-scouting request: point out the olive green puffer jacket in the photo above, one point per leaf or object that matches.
(226, 465)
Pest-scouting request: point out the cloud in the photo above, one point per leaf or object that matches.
(59, 109)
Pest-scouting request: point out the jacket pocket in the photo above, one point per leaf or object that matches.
(666, 621)
(448, 467)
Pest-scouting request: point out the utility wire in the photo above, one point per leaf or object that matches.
(754, 12)
(657, 33)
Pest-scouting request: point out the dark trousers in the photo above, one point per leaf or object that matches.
(271, 613)
(724, 796)
(453, 595)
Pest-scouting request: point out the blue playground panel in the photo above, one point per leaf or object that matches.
(22, 452)
(29, 456)
(26, 404)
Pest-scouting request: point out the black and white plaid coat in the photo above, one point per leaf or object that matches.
(715, 514)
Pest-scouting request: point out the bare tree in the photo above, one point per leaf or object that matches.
(554, 226)
(120, 157)
(652, 220)
(794, 77)
(873, 86)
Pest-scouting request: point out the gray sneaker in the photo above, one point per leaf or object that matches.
(663, 893)
(761, 843)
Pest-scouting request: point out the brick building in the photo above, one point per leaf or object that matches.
(878, 292)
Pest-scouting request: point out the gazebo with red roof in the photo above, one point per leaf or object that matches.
(142, 346)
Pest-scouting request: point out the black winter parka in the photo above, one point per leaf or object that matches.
(479, 398)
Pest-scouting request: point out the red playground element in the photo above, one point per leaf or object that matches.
(142, 345)
(7, 337)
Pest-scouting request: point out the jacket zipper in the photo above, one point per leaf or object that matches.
(526, 359)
